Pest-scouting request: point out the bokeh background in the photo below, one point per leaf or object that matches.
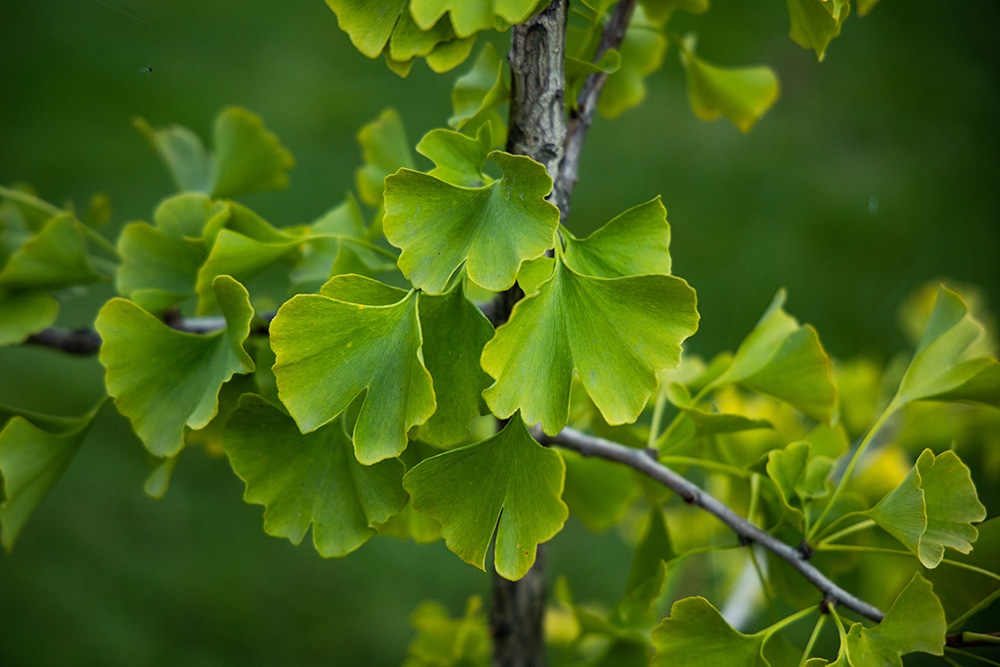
(878, 170)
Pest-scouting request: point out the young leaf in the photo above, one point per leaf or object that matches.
(54, 258)
(785, 360)
(164, 380)
(471, 16)
(248, 157)
(35, 450)
(946, 366)
(489, 230)
(459, 158)
(697, 635)
(385, 149)
(477, 95)
(616, 333)
(933, 508)
(914, 622)
(508, 484)
(814, 23)
(454, 333)
(442, 640)
(310, 479)
(637, 242)
(183, 153)
(649, 565)
(356, 336)
(641, 53)
(741, 94)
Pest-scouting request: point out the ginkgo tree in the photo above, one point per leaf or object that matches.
(450, 361)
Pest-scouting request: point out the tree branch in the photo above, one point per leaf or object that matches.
(581, 117)
(645, 462)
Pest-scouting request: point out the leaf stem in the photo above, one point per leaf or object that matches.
(902, 552)
(707, 465)
(974, 656)
(820, 622)
(861, 525)
(641, 460)
(658, 407)
(780, 625)
(978, 607)
(876, 427)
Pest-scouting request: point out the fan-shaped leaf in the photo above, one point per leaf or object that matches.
(947, 365)
(508, 484)
(24, 314)
(696, 634)
(641, 53)
(183, 153)
(356, 336)
(785, 360)
(477, 95)
(489, 230)
(459, 158)
(814, 23)
(616, 333)
(310, 479)
(248, 157)
(35, 450)
(454, 333)
(385, 149)
(471, 16)
(933, 508)
(634, 243)
(163, 379)
(54, 258)
(742, 94)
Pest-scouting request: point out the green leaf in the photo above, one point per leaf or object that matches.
(814, 23)
(356, 336)
(697, 635)
(471, 16)
(183, 153)
(385, 149)
(616, 333)
(53, 259)
(508, 484)
(24, 314)
(641, 53)
(742, 94)
(446, 56)
(368, 23)
(164, 380)
(248, 157)
(311, 479)
(477, 95)
(915, 622)
(659, 11)
(459, 159)
(454, 333)
(933, 508)
(948, 365)
(649, 564)
(785, 360)
(443, 641)
(35, 450)
(489, 230)
(637, 242)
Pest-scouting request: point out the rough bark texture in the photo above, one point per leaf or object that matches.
(537, 128)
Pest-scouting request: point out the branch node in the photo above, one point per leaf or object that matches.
(805, 550)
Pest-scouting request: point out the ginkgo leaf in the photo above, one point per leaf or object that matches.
(311, 479)
(799, 475)
(508, 484)
(248, 157)
(454, 333)
(489, 230)
(35, 450)
(164, 380)
(640, 55)
(442, 640)
(368, 23)
(409, 41)
(446, 56)
(183, 153)
(54, 258)
(356, 336)
(649, 563)
(478, 93)
(634, 243)
(471, 16)
(786, 360)
(24, 314)
(616, 333)
(947, 365)
(914, 622)
(701, 422)
(814, 23)
(696, 634)
(659, 11)
(933, 508)
(741, 94)
(459, 158)
(385, 149)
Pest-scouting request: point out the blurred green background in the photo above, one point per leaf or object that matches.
(877, 170)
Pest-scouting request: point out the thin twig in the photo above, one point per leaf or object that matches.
(645, 462)
(969, 639)
(582, 116)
